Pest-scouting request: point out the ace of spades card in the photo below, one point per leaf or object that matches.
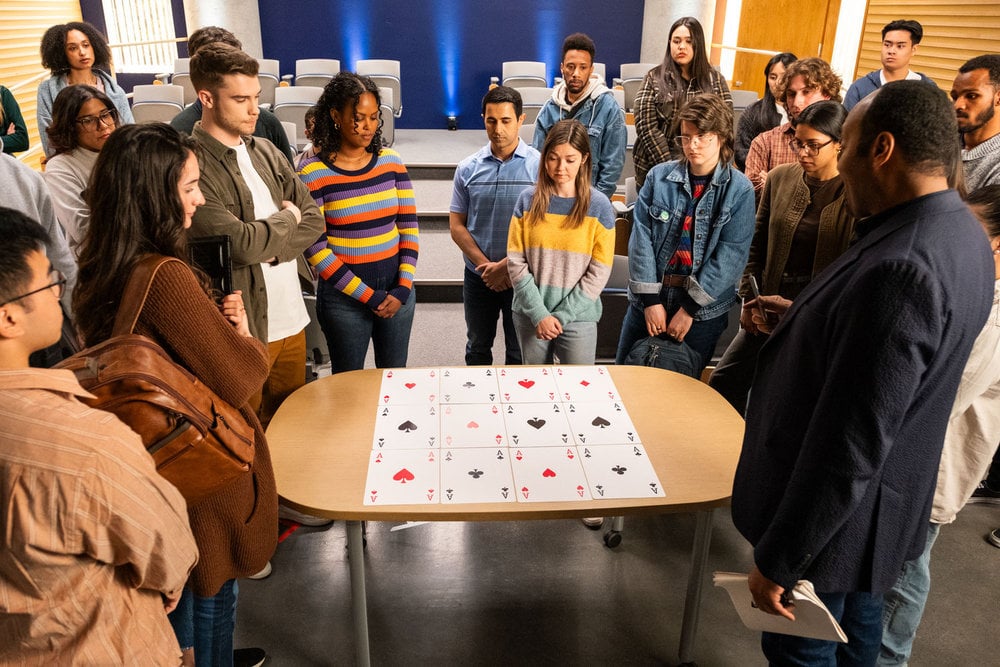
(601, 423)
(403, 477)
(472, 425)
(585, 384)
(544, 474)
(407, 427)
(537, 424)
(469, 385)
(620, 471)
(409, 386)
(527, 384)
(476, 476)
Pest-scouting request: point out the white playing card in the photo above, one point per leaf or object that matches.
(403, 477)
(620, 471)
(407, 427)
(585, 384)
(476, 476)
(537, 424)
(409, 386)
(604, 423)
(548, 474)
(472, 425)
(527, 384)
(476, 384)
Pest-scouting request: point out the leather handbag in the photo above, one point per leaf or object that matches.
(199, 442)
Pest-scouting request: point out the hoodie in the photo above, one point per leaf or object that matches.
(868, 84)
(597, 109)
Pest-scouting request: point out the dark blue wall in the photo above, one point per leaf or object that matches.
(448, 49)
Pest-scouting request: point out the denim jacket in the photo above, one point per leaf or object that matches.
(723, 229)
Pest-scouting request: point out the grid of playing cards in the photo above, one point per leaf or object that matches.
(496, 435)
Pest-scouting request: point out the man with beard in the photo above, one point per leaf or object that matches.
(584, 97)
(976, 95)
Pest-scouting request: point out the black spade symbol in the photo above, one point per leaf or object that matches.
(476, 473)
(407, 426)
(619, 469)
(536, 423)
(600, 422)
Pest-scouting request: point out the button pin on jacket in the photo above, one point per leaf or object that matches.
(664, 215)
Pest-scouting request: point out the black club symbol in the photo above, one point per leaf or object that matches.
(476, 473)
(619, 469)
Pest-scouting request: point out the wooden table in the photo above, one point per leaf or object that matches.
(691, 434)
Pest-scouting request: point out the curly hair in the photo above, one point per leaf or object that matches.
(54, 47)
(710, 113)
(579, 42)
(136, 211)
(64, 131)
(343, 91)
(816, 73)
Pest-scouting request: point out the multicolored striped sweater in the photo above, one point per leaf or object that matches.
(559, 271)
(371, 226)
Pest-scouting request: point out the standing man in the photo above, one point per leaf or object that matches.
(252, 194)
(804, 82)
(96, 545)
(899, 45)
(583, 96)
(976, 95)
(852, 397)
(487, 185)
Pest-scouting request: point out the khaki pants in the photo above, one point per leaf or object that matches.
(288, 373)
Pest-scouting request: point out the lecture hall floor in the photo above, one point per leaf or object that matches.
(550, 592)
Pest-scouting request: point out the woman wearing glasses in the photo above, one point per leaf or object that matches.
(802, 226)
(76, 53)
(82, 120)
(690, 237)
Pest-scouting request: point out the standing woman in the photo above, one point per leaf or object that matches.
(802, 226)
(13, 131)
(684, 73)
(559, 253)
(692, 227)
(83, 119)
(367, 258)
(147, 192)
(767, 112)
(76, 53)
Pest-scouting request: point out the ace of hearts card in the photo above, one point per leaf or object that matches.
(472, 425)
(409, 386)
(544, 474)
(527, 384)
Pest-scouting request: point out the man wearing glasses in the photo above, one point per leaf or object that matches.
(96, 544)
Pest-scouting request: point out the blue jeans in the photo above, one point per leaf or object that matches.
(701, 337)
(349, 324)
(577, 344)
(482, 308)
(207, 624)
(904, 605)
(860, 616)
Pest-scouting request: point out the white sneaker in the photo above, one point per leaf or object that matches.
(263, 574)
(301, 518)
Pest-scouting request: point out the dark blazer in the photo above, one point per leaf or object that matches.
(848, 410)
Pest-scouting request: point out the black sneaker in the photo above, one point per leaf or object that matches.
(994, 538)
(984, 493)
(249, 657)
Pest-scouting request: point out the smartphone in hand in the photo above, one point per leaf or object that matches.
(755, 290)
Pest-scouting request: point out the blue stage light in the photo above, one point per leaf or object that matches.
(356, 32)
(447, 19)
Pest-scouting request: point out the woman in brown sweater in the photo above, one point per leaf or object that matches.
(142, 194)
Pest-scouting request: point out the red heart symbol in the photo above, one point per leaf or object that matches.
(403, 476)
(579, 491)
(548, 472)
(472, 424)
(527, 384)
(410, 385)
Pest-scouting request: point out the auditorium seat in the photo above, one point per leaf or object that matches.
(315, 71)
(632, 75)
(182, 77)
(156, 103)
(291, 104)
(385, 74)
(533, 99)
(269, 76)
(523, 74)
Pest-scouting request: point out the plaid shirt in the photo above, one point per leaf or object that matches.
(767, 151)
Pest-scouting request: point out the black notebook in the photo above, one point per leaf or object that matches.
(213, 255)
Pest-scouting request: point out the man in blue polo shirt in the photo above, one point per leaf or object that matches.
(487, 185)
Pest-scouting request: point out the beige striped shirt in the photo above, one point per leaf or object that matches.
(90, 534)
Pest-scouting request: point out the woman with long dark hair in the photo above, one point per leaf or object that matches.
(684, 73)
(147, 192)
(83, 119)
(559, 253)
(766, 112)
(76, 53)
(368, 255)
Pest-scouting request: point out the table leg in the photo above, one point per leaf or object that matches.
(692, 602)
(359, 603)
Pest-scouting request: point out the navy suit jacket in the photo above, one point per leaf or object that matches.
(849, 407)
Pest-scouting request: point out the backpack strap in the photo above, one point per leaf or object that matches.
(136, 291)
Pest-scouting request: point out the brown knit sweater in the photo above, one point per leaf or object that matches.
(237, 529)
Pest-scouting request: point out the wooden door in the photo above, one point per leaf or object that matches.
(804, 27)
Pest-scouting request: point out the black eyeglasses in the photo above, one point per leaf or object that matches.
(57, 280)
(106, 117)
(811, 148)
